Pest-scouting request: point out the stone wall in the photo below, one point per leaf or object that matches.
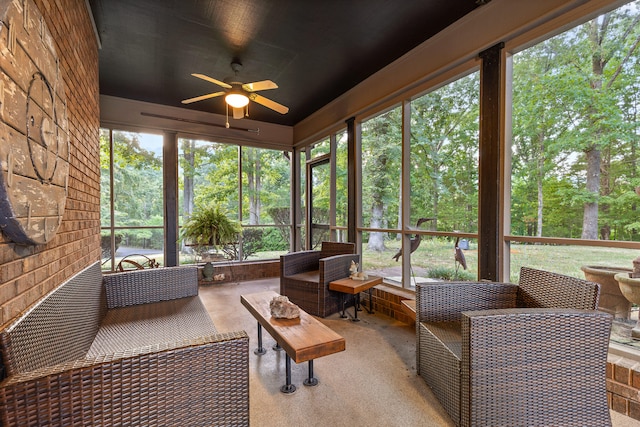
(29, 272)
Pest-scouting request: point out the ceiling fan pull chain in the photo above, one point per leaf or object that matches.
(227, 110)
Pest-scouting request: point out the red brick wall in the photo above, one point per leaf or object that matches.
(242, 271)
(623, 386)
(386, 300)
(28, 272)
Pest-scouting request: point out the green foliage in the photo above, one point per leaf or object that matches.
(210, 226)
(137, 179)
(446, 273)
(272, 240)
(266, 182)
(575, 131)
(444, 155)
(251, 244)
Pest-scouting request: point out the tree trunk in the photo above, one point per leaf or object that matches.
(590, 218)
(540, 179)
(376, 238)
(188, 149)
(592, 152)
(253, 183)
(399, 235)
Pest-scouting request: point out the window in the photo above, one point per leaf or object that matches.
(576, 144)
(575, 169)
(381, 190)
(207, 175)
(266, 200)
(132, 212)
(444, 177)
(254, 191)
(342, 182)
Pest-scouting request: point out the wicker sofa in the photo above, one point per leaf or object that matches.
(132, 348)
(305, 277)
(497, 354)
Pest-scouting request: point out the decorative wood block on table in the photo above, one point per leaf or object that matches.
(303, 339)
(354, 287)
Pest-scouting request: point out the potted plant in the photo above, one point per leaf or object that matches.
(209, 227)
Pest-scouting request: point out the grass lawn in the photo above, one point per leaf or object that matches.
(438, 253)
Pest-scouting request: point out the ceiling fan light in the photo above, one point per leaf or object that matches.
(236, 100)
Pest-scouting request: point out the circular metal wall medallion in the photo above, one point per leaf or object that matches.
(34, 134)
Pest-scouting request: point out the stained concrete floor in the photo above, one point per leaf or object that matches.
(372, 383)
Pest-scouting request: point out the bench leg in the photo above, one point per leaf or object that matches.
(342, 315)
(311, 381)
(277, 347)
(260, 350)
(288, 387)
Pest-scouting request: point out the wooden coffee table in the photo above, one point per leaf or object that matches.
(303, 339)
(354, 287)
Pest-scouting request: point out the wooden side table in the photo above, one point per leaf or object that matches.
(354, 287)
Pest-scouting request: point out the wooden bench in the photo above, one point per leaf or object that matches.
(303, 339)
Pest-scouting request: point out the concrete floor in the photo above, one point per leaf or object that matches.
(372, 383)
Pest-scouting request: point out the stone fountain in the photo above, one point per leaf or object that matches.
(629, 284)
(611, 298)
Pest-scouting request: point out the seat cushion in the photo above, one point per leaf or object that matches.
(144, 325)
(307, 276)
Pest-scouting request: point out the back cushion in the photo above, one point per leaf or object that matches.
(544, 289)
(59, 328)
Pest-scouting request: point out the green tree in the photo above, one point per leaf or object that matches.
(573, 120)
(444, 155)
(381, 166)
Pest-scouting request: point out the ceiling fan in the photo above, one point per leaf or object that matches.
(238, 94)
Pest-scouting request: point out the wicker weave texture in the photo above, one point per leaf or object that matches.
(298, 262)
(517, 366)
(150, 324)
(151, 285)
(432, 347)
(157, 364)
(539, 288)
(337, 248)
(444, 301)
(537, 367)
(311, 294)
(201, 383)
(49, 332)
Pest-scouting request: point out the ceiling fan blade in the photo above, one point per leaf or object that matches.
(212, 80)
(238, 113)
(269, 103)
(261, 85)
(202, 97)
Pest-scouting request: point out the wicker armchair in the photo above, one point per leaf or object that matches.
(305, 277)
(503, 355)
